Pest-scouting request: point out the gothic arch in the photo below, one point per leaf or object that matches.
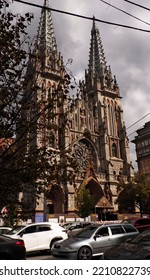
(95, 189)
(55, 200)
(102, 201)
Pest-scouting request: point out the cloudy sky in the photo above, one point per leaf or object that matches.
(127, 51)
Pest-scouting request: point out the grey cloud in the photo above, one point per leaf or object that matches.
(127, 51)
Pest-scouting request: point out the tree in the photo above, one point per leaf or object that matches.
(25, 167)
(85, 202)
(135, 194)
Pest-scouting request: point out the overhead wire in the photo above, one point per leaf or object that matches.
(83, 17)
(89, 18)
(137, 18)
(138, 5)
(138, 121)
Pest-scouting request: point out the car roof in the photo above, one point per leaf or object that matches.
(1, 227)
(134, 219)
(40, 223)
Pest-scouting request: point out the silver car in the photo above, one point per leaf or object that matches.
(93, 241)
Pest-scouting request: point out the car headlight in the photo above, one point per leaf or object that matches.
(68, 248)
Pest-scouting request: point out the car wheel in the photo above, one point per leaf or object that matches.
(85, 253)
(52, 242)
(5, 257)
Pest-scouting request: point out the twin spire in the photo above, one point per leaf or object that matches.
(46, 40)
(46, 43)
(97, 62)
(97, 67)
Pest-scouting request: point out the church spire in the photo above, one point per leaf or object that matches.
(97, 62)
(45, 38)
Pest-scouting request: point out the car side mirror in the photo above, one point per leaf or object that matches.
(97, 236)
(21, 234)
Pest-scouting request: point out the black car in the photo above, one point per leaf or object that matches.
(12, 249)
(136, 249)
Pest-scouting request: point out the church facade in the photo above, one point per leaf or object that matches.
(94, 128)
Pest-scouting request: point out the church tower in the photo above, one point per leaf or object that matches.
(98, 130)
(45, 81)
(94, 127)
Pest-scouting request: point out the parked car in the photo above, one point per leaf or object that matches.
(136, 249)
(140, 223)
(12, 249)
(93, 240)
(75, 227)
(4, 230)
(39, 236)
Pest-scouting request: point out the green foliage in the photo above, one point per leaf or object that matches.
(135, 194)
(26, 167)
(85, 202)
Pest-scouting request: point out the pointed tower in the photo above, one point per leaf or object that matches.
(102, 94)
(45, 45)
(48, 74)
(45, 92)
(97, 62)
(46, 38)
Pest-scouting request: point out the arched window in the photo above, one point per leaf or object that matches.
(114, 150)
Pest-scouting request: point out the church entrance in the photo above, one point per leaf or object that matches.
(103, 207)
(55, 201)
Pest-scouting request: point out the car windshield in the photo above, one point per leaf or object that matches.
(86, 232)
(142, 238)
(15, 230)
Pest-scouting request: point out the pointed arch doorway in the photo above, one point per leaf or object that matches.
(55, 200)
(103, 207)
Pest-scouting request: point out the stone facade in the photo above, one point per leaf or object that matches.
(94, 128)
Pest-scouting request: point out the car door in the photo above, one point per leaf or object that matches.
(118, 234)
(101, 240)
(29, 235)
(44, 236)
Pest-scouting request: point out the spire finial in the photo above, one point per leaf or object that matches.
(97, 62)
(46, 3)
(93, 22)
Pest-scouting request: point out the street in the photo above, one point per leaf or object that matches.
(47, 256)
(41, 256)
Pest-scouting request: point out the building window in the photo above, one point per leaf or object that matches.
(114, 150)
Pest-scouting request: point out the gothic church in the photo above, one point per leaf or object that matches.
(95, 129)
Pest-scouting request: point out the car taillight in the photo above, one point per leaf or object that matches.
(20, 243)
(64, 230)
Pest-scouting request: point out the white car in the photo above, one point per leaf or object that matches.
(4, 230)
(39, 236)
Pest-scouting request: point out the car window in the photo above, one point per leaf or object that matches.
(3, 231)
(129, 228)
(44, 227)
(86, 224)
(15, 230)
(86, 232)
(30, 229)
(103, 231)
(116, 230)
